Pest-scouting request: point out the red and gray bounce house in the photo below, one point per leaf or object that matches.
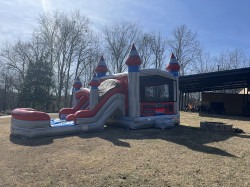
(139, 98)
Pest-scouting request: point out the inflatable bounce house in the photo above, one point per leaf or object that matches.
(139, 98)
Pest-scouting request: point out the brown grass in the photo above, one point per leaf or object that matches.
(183, 156)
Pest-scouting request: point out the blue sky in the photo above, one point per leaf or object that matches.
(220, 24)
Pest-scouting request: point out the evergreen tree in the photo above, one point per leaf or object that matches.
(37, 85)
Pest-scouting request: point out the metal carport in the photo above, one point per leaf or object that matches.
(220, 80)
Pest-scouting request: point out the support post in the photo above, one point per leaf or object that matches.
(76, 87)
(174, 68)
(94, 95)
(133, 62)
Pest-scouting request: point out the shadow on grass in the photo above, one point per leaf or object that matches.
(31, 142)
(190, 137)
(224, 117)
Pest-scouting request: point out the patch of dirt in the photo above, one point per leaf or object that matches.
(182, 156)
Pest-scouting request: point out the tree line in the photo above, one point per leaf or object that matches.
(39, 72)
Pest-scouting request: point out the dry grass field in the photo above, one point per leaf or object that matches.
(182, 156)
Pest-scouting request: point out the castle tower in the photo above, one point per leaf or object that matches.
(76, 87)
(173, 67)
(133, 62)
(101, 68)
(94, 97)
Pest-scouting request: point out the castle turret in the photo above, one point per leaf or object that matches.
(76, 87)
(94, 97)
(101, 68)
(133, 62)
(174, 67)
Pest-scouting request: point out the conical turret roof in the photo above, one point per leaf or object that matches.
(173, 64)
(77, 84)
(134, 58)
(102, 66)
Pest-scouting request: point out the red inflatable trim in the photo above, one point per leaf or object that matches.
(29, 114)
(77, 85)
(173, 67)
(101, 69)
(70, 117)
(94, 83)
(92, 113)
(82, 101)
(134, 61)
(67, 111)
(81, 93)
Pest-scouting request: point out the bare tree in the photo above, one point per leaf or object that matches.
(16, 58)
(221, 61)
(118, 39)
(230, 59)
(88, 54)
(185, 45)
(66, 42)
(87, 69)
(144, 49)
(152, 48)
(8, 96)
(69, 40)
(247, 62)
(237, 58)
(203, 64)
(158, 47)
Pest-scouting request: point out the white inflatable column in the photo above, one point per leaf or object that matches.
(174, 67)
(76, 87)
(94, 96)
(133, 62)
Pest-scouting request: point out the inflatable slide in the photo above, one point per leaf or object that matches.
(30, 123)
